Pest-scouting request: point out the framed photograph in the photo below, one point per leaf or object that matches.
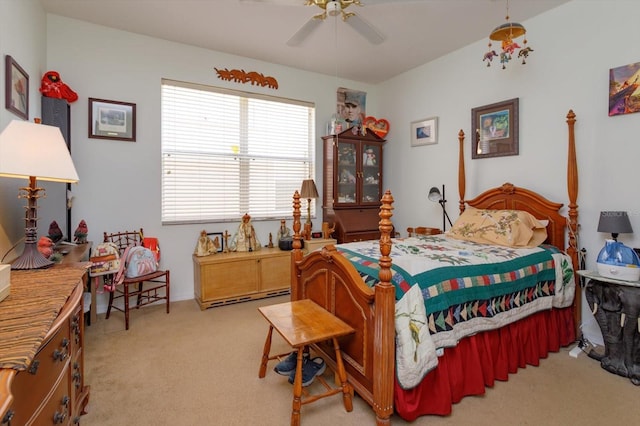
(424, 132)
(112, 120)
(495, 128)
(16, 88)
(624, 89)
(218, 235)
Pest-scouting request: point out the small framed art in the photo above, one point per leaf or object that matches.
(495, 128)
(16, 88)
(218, 235)
(112, 120)
(424, 132)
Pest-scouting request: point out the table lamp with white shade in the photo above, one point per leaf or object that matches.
(35, 152)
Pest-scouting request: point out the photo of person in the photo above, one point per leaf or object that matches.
(351, 106)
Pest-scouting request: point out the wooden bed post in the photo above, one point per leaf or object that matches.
(384, 327)
(297, 253)
(461, 174)
(572, 188)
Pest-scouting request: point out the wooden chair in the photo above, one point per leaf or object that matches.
(421, 230)
(145, 288)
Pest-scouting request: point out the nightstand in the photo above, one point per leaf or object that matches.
(316, 243)
(616, 307)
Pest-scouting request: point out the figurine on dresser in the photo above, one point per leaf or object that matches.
(283, 231)
(245, 238)
(205, 245)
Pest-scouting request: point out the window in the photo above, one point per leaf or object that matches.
(226, 153)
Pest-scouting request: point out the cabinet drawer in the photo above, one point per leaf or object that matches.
(31, 387)
(229, 279)
(56, 410)
(361, 236)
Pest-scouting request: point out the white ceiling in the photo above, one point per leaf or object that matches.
(415, 31)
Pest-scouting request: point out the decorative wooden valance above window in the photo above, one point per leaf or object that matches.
(240, 76)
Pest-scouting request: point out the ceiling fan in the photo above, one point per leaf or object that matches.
(336, 8)
(333, 8)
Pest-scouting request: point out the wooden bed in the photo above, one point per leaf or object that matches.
(330, 280)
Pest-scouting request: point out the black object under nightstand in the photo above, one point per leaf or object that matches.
(616, 307)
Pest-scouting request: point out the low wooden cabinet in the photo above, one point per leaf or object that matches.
(50, 389)
(224, 278)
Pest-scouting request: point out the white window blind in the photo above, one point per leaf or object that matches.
(226, 153)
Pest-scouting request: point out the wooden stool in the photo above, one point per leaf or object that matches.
(302, 323)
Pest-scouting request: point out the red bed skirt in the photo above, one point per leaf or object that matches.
(479, 360)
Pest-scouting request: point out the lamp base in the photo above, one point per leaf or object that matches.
(31, 258)
(307, 231)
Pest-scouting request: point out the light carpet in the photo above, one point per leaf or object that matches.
(193, 367)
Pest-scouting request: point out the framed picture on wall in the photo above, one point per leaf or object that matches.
(624, 89)
(495, 128)
(424, 132)
(112, 120)
(16, 88)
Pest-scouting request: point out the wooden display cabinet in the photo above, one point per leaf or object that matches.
(225, 278)
(353, 184)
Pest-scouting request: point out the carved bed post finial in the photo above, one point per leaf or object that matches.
(461, 173)
(384, 329)
(296, 253)
(572, 188)
(572, 181)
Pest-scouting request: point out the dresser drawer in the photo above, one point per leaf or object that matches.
(32, 386)
(57, 409)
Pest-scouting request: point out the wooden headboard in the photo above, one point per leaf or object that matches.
(561, 230)
(509, 196)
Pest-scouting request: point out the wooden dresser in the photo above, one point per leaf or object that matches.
(41, 348)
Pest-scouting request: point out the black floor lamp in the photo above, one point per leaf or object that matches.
(436, 195)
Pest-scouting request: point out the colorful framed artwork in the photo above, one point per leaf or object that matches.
(16, 88)
(424, 132)
(495, 128)
(112, 120)
(624, 89)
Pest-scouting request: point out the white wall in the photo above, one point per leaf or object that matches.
(119, 184)
(574, 45)
(23, 36)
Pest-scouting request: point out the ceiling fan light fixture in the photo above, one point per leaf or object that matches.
(333, 8)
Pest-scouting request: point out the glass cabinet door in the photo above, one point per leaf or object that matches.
(347, 175)
(371, 189)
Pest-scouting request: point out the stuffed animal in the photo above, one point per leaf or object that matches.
(52, 87)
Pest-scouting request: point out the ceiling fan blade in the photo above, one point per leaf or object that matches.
(304, 32)
(282, 2)
(365, 29)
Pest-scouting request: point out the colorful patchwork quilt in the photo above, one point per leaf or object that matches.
(447, 289)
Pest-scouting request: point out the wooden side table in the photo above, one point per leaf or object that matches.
(616, 307)
(302, 323)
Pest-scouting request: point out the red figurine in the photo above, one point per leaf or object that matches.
(53, 87)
